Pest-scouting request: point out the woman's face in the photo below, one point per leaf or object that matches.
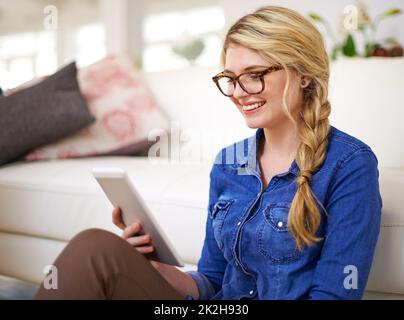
(270, 113)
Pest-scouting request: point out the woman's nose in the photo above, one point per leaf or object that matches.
(239, 92)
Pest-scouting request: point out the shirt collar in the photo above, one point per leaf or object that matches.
(250, 162)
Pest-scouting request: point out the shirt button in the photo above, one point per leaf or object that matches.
(251, 292)
(280, 224)
(239, 223)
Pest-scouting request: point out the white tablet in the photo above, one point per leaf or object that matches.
(121, 192)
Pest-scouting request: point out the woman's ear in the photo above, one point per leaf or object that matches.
(305, 81)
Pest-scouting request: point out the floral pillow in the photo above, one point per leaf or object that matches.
(124, 109)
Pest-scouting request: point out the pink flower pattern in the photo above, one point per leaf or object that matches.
(120, 123)
(106, 79)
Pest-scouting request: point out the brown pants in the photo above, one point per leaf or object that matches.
(97, 264)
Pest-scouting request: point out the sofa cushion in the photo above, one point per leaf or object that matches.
(125, 111)
(61, 198)
(366, 97)
(41, 114)
(387, 274)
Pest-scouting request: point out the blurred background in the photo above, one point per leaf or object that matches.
(39, 36)
(176, 45)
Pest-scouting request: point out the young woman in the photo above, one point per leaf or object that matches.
(294, 211)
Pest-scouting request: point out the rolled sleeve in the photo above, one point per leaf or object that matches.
(205, 288)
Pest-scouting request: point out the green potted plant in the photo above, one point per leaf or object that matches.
(367, 28)
(189, 49)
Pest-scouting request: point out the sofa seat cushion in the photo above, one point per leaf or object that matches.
(57, 199)
(387, 273)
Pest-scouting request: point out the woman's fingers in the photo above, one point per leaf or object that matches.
(142, 243)
(132, 230)
(145, 250)
(139, 240)
(117, 218)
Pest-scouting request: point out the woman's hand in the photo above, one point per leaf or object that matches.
(181, 281)
(133, 234)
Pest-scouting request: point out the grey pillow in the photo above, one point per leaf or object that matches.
(41, 114)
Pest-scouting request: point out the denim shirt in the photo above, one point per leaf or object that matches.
(249, 253)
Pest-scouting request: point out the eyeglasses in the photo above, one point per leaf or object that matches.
(251, 82)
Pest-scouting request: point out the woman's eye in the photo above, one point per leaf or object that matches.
(254, 76)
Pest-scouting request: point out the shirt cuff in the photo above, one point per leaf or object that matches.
(205, 288)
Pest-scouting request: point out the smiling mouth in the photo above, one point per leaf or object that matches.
(253, 106)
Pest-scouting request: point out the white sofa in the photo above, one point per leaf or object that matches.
(44, 204)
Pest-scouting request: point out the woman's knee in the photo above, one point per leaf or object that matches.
(97, 239)
(91, 235)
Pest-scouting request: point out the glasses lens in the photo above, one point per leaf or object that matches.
(226, 85)
(251, 82)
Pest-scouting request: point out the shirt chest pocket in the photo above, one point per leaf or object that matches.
(218, 215)
(274, 240)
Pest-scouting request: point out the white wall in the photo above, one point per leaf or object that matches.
(21, 16)
(123, 26)
(71, 15)
(18, 16)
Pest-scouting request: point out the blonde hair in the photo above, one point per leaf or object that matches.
(287, 38)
